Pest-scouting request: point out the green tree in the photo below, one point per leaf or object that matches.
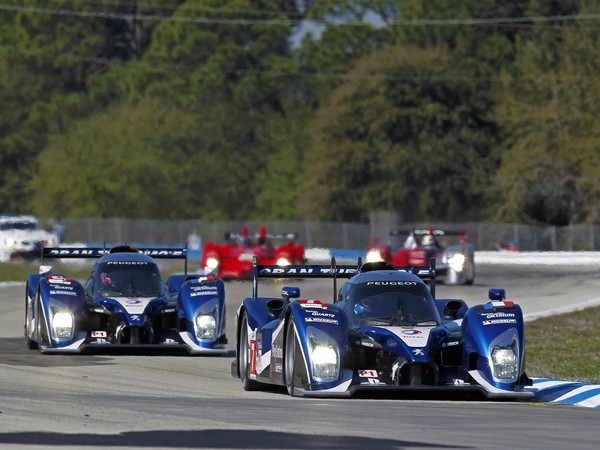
(125, 162)
(48, 52)
(404, 133)
(549, 108)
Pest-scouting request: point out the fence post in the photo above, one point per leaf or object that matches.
(307, 237)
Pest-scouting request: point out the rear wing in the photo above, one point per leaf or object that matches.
(97, 252)
(272, 236)
(423, 232)
(332, 271)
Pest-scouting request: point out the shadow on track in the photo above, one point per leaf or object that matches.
(217, 439)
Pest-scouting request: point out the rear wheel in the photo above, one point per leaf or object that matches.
(244, 357)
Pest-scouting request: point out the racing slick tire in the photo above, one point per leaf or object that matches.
(470, 272)
(31, 344)
(41, 329)
(243, 362)
(292, 358)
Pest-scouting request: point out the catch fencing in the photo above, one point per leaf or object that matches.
(343, 235)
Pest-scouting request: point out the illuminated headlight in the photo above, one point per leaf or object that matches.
(206, 327)
(457, 262)
(211, 266)
(504, 364)
(324, 355)
(62, 324)
(373, 255)
(10, 242)
(283, 261)
(325, 362)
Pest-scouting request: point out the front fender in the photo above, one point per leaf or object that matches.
(59, 294)
(320, 326)
(201, 297)
(486, 327)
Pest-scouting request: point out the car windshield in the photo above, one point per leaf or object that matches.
(26, 226)
(391, 306)
(116, 279)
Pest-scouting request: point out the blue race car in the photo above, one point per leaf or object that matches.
(384, 330)
(124, 303)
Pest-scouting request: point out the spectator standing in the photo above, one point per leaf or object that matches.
(194, 240)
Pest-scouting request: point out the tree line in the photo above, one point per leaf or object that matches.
(445, 110)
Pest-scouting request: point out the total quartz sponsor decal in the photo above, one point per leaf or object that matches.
(133, 305)
(413, 337)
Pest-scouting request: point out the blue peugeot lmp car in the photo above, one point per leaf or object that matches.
(125, 303)
(383, 330)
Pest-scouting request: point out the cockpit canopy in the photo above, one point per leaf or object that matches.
(127, 279)
(391, 304)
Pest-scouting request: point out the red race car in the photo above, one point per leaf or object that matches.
(455, 264)
(233, 259)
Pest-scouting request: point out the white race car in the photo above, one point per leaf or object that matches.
(22, 237)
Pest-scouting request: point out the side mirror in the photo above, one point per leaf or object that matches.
(288, 292)
(45, 270)
(497, 294)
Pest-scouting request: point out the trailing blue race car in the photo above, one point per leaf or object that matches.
(384, 330)
(124, 303)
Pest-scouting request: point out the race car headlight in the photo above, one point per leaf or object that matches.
(457, 262)
(325, 362)
(10, 242)
(504, 364)
(206, 327)
(283, 261)
(212, 263)
(62, 324)
(324, 356)
(373, 255)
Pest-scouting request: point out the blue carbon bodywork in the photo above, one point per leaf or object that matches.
(62, 315)
(318, 348)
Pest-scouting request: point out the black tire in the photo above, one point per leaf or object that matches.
(243, 357)
(31, 344)
(291, 353)
(470, 275)
(41, 330)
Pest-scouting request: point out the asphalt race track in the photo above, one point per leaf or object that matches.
(176, 401)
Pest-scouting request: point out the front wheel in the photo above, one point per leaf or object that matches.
(470, 272)
(31, 344)
(291, 355)
(244, 358)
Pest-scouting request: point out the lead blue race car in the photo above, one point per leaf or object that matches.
(383, 330)
(125, 303)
